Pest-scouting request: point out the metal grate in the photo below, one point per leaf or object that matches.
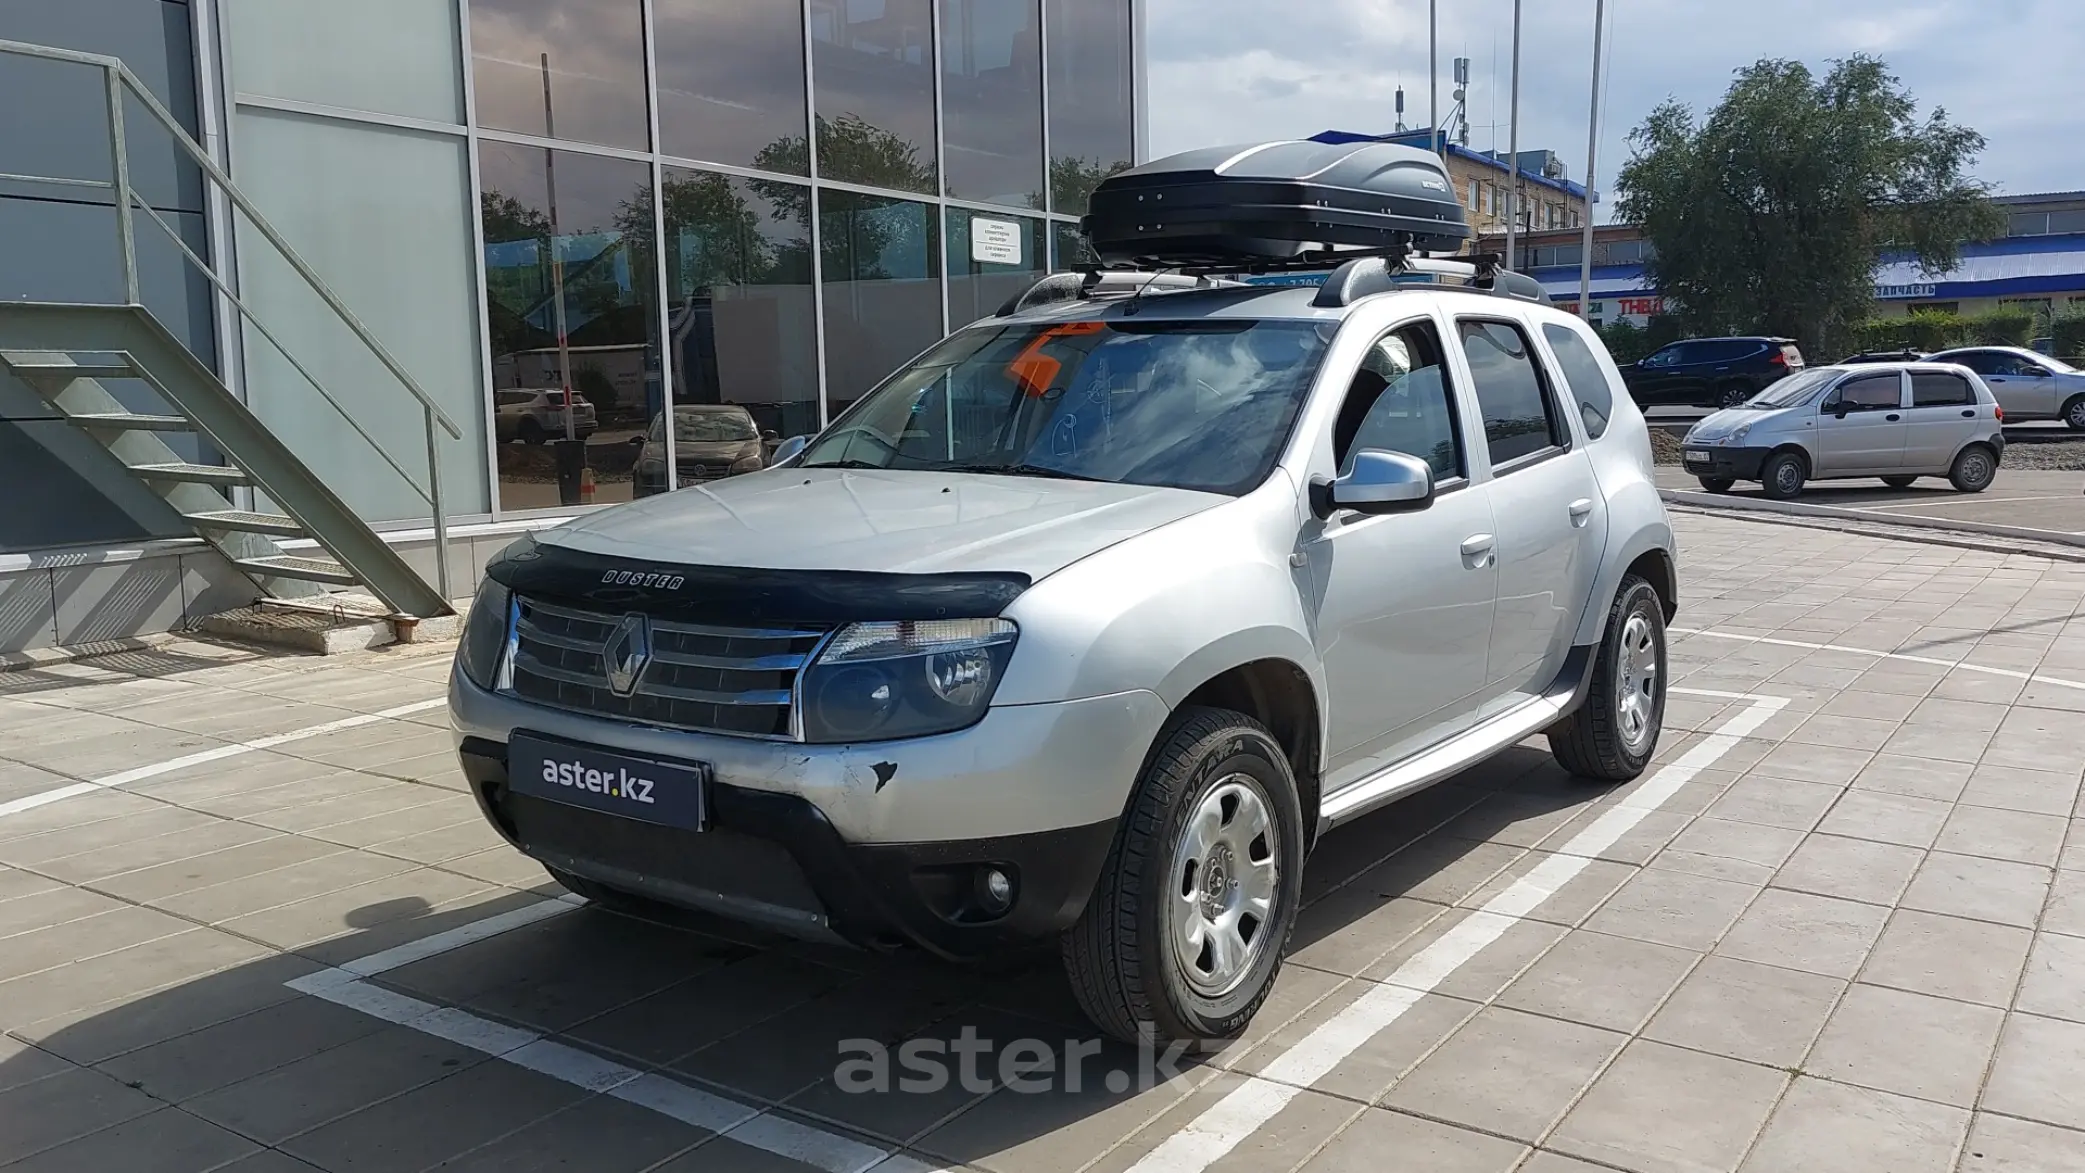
(736, 680)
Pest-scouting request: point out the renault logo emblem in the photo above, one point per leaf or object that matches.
(626, 654)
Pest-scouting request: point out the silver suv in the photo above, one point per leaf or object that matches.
(1084, 626)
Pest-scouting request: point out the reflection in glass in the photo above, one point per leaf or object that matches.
(991, 101)
(1070, 248)
(580, 318)
(882, 288)
(1089, 97)
(560, 70)
(873, 64)
(744, 327)
(990, 259)
(731, 81)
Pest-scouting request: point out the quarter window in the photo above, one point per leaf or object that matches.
(1399, 402)
(1519, 420)
(1940, 389)
(1584, 376)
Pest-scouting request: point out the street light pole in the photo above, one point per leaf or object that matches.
(1513, 147)
(1592, 148)
(1433, 77)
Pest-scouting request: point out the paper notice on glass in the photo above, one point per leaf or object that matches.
(995, 242)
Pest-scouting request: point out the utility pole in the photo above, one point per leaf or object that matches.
(1513, 148)
(1592, 149)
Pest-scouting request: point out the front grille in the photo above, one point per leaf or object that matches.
(712, 679)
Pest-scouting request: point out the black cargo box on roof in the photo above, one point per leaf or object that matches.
(1274, 202)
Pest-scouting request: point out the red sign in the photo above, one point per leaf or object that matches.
(1645, 306)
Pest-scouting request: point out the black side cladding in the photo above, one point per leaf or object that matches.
(1274, 202)
(742, 595)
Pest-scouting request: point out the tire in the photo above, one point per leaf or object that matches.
(1900, 482)
(1124, 957)
(1782, 476)
(1974, 469)
(1732, 395)
(1718, 484)
(530, 432)
(1614, 733)
(2074, 413)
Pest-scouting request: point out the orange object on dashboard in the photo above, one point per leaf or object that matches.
(1035, 371)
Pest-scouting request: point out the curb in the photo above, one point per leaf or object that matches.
(2006, 539)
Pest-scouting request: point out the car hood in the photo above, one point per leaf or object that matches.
(900, 522)
(1730, 419)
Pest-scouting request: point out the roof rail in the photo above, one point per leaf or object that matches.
(1104, 283)
(1364, 276)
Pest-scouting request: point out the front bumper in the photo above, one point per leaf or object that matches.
(1709, 460)
(875, 844)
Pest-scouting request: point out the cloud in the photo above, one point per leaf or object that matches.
(1238, 70)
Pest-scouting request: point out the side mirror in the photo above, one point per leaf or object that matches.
(1384, 482)
(769, 435)
(788, 450)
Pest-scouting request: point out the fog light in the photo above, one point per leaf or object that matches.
(995, 891)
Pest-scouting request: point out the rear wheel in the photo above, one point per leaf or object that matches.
(1718, 484)
(1974, 469)
(1899, 482)
(1184, 932)
(1783, 475)
(1614, 733)
(2074, 413)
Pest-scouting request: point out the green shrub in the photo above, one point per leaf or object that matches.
(1882, 334)
(2004, 326)
(2068, 330)
(1625, 341)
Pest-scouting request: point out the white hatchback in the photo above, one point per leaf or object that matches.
(1896, 421)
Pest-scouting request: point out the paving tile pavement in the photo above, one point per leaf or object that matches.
(1854, 941)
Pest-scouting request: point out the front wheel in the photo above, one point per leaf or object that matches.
(1184, 932)
(1733, 395)
(1974, 469)
(1718, 484)
(1614, 733)
(1900, 482)
(1783, 476)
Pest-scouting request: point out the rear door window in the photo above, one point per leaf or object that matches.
(1940, 389)
(1868, 393)
(1520, 418)
(1583, 376)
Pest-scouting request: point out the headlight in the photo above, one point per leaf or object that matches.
(912, 678)
(484, 635)
(747, 464)
(1737, 436)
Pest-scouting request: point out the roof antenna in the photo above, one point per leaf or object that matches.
(1130, 307)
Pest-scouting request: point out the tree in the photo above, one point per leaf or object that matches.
(1771, 214)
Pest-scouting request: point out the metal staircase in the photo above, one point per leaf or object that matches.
(74, 356)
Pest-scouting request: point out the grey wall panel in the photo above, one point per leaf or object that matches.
(81, 496)
(28, 611)
(53, 117)
(65, 251)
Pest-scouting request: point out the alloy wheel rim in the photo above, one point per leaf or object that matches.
(1636, 684)
(1225, 877)
(2076, 414)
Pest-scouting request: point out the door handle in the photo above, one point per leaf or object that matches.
(1581, 511)
(1477, 544)
(1969, 415)
(1893, 417)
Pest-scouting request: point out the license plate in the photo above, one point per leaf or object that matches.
(674, 794)
(1697, 458)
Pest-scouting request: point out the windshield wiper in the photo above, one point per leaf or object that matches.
(1019, 470)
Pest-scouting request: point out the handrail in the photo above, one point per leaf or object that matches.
(120, 78)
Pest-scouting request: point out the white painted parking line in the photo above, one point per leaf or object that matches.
(1936, 661)
(201, 757)
(745, 1124)
(1217, 1131)
(1203, 1141)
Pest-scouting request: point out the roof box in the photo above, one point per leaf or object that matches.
(1274, 203)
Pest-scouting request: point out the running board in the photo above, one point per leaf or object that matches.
(1465, 749)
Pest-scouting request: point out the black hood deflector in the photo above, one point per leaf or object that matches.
(740, 596)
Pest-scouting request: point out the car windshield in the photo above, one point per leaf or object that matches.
(2056, 364)
(705, 427)
(1204, 404)
(1792, 390)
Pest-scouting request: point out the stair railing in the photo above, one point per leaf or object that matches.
(118, 79)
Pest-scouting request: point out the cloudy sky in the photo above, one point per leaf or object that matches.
(1243, 70)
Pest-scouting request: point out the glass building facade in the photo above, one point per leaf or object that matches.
(739, 215)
